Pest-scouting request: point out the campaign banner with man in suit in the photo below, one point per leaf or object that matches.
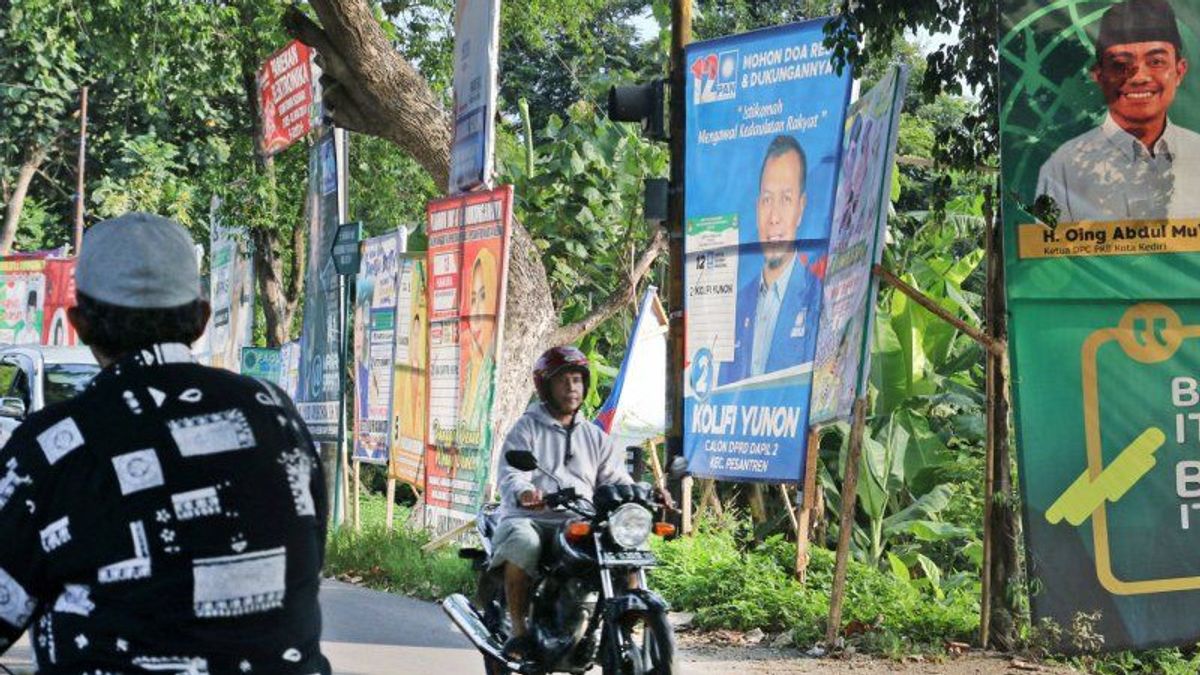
(765, 114)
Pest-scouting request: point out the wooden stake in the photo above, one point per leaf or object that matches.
(686, 503)
(713, 498)
(391, 504)
(758, 506)
(357, 510)
(812, 453)
(448, 537)
(791, 510)
(81, 165)
(849, 498)
(660, 479)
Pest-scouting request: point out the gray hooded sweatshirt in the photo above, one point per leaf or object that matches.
(593, 461)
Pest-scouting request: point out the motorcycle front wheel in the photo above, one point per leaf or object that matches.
(642, 647)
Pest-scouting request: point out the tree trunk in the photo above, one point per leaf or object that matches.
(1003, 526)
(279, 301)
(16, 202)
(369, 88)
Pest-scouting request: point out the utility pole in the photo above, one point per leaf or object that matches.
(79, 196)
(681, 35)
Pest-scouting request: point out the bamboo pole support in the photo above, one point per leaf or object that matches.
(846, 527)
(712, 498)
(791, 510)
(357, 508)
(802, 523)
(390, 518)
(758, 505)
(448, 537)
(687, 504)
(992, 345)
(660, 480)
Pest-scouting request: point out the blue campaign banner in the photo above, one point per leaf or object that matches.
(765, 114)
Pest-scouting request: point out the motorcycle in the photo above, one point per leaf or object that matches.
(591, 604)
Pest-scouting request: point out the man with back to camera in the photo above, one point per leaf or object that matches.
(172, 516)
(777, 311)
(1133, 166)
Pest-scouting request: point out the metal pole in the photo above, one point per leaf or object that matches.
(681, 35)
(79, 169)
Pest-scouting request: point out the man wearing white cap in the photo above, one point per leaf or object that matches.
(171, 517)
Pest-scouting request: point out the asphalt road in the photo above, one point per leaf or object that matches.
(370, 633)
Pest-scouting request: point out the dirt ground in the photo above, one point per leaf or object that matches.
(699, 656)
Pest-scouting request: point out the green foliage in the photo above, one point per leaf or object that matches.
(390, 189)
(582, 204)
(963, 65)
(728, 586)
(145, 177)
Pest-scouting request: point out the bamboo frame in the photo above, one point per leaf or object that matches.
(390, 518)
(802, 523)
(849, 499)
(992, 345)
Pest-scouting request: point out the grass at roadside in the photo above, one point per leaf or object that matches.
(725, 582)
(393, 561)
(731, 585)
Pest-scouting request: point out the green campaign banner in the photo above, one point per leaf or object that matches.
(1099, 163)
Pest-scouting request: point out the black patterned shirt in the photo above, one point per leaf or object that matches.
(171, 518)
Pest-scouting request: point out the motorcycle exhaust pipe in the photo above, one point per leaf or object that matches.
(466, 617)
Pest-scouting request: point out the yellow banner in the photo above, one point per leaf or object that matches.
(1118, 237)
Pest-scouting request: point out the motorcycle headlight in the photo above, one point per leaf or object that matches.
(630, 525)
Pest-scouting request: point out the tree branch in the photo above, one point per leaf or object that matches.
(372, 88)
(623, 295)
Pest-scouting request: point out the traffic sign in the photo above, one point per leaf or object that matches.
(346, 252)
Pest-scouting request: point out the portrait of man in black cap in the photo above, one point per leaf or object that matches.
(1136, 163)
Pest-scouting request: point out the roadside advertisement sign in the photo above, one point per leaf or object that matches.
(231, 292)
(320, 334)
(856, 241)
(374, 345)
(467, 262)
(264, 363)
(35, 292)
(286, 97)
(409, 400)
(476, 62)
(764, 116)
(1103, 278)
(289, 357)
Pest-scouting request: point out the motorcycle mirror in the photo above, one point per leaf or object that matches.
(521, 460)
(678, 468)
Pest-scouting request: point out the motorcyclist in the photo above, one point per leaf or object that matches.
(576, 452)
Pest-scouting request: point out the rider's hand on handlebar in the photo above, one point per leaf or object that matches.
(531, 499)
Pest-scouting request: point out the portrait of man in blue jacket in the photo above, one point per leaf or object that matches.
(778, 309)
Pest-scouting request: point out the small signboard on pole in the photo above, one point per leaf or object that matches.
(347, 255)
(476, 61)
(285, 97)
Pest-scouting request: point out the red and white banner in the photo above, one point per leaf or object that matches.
(36, 290)
(467, 265)
(285, 96)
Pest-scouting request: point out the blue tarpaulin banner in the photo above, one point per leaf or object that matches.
(765, 113)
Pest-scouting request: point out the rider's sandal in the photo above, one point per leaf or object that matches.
(519, 648)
